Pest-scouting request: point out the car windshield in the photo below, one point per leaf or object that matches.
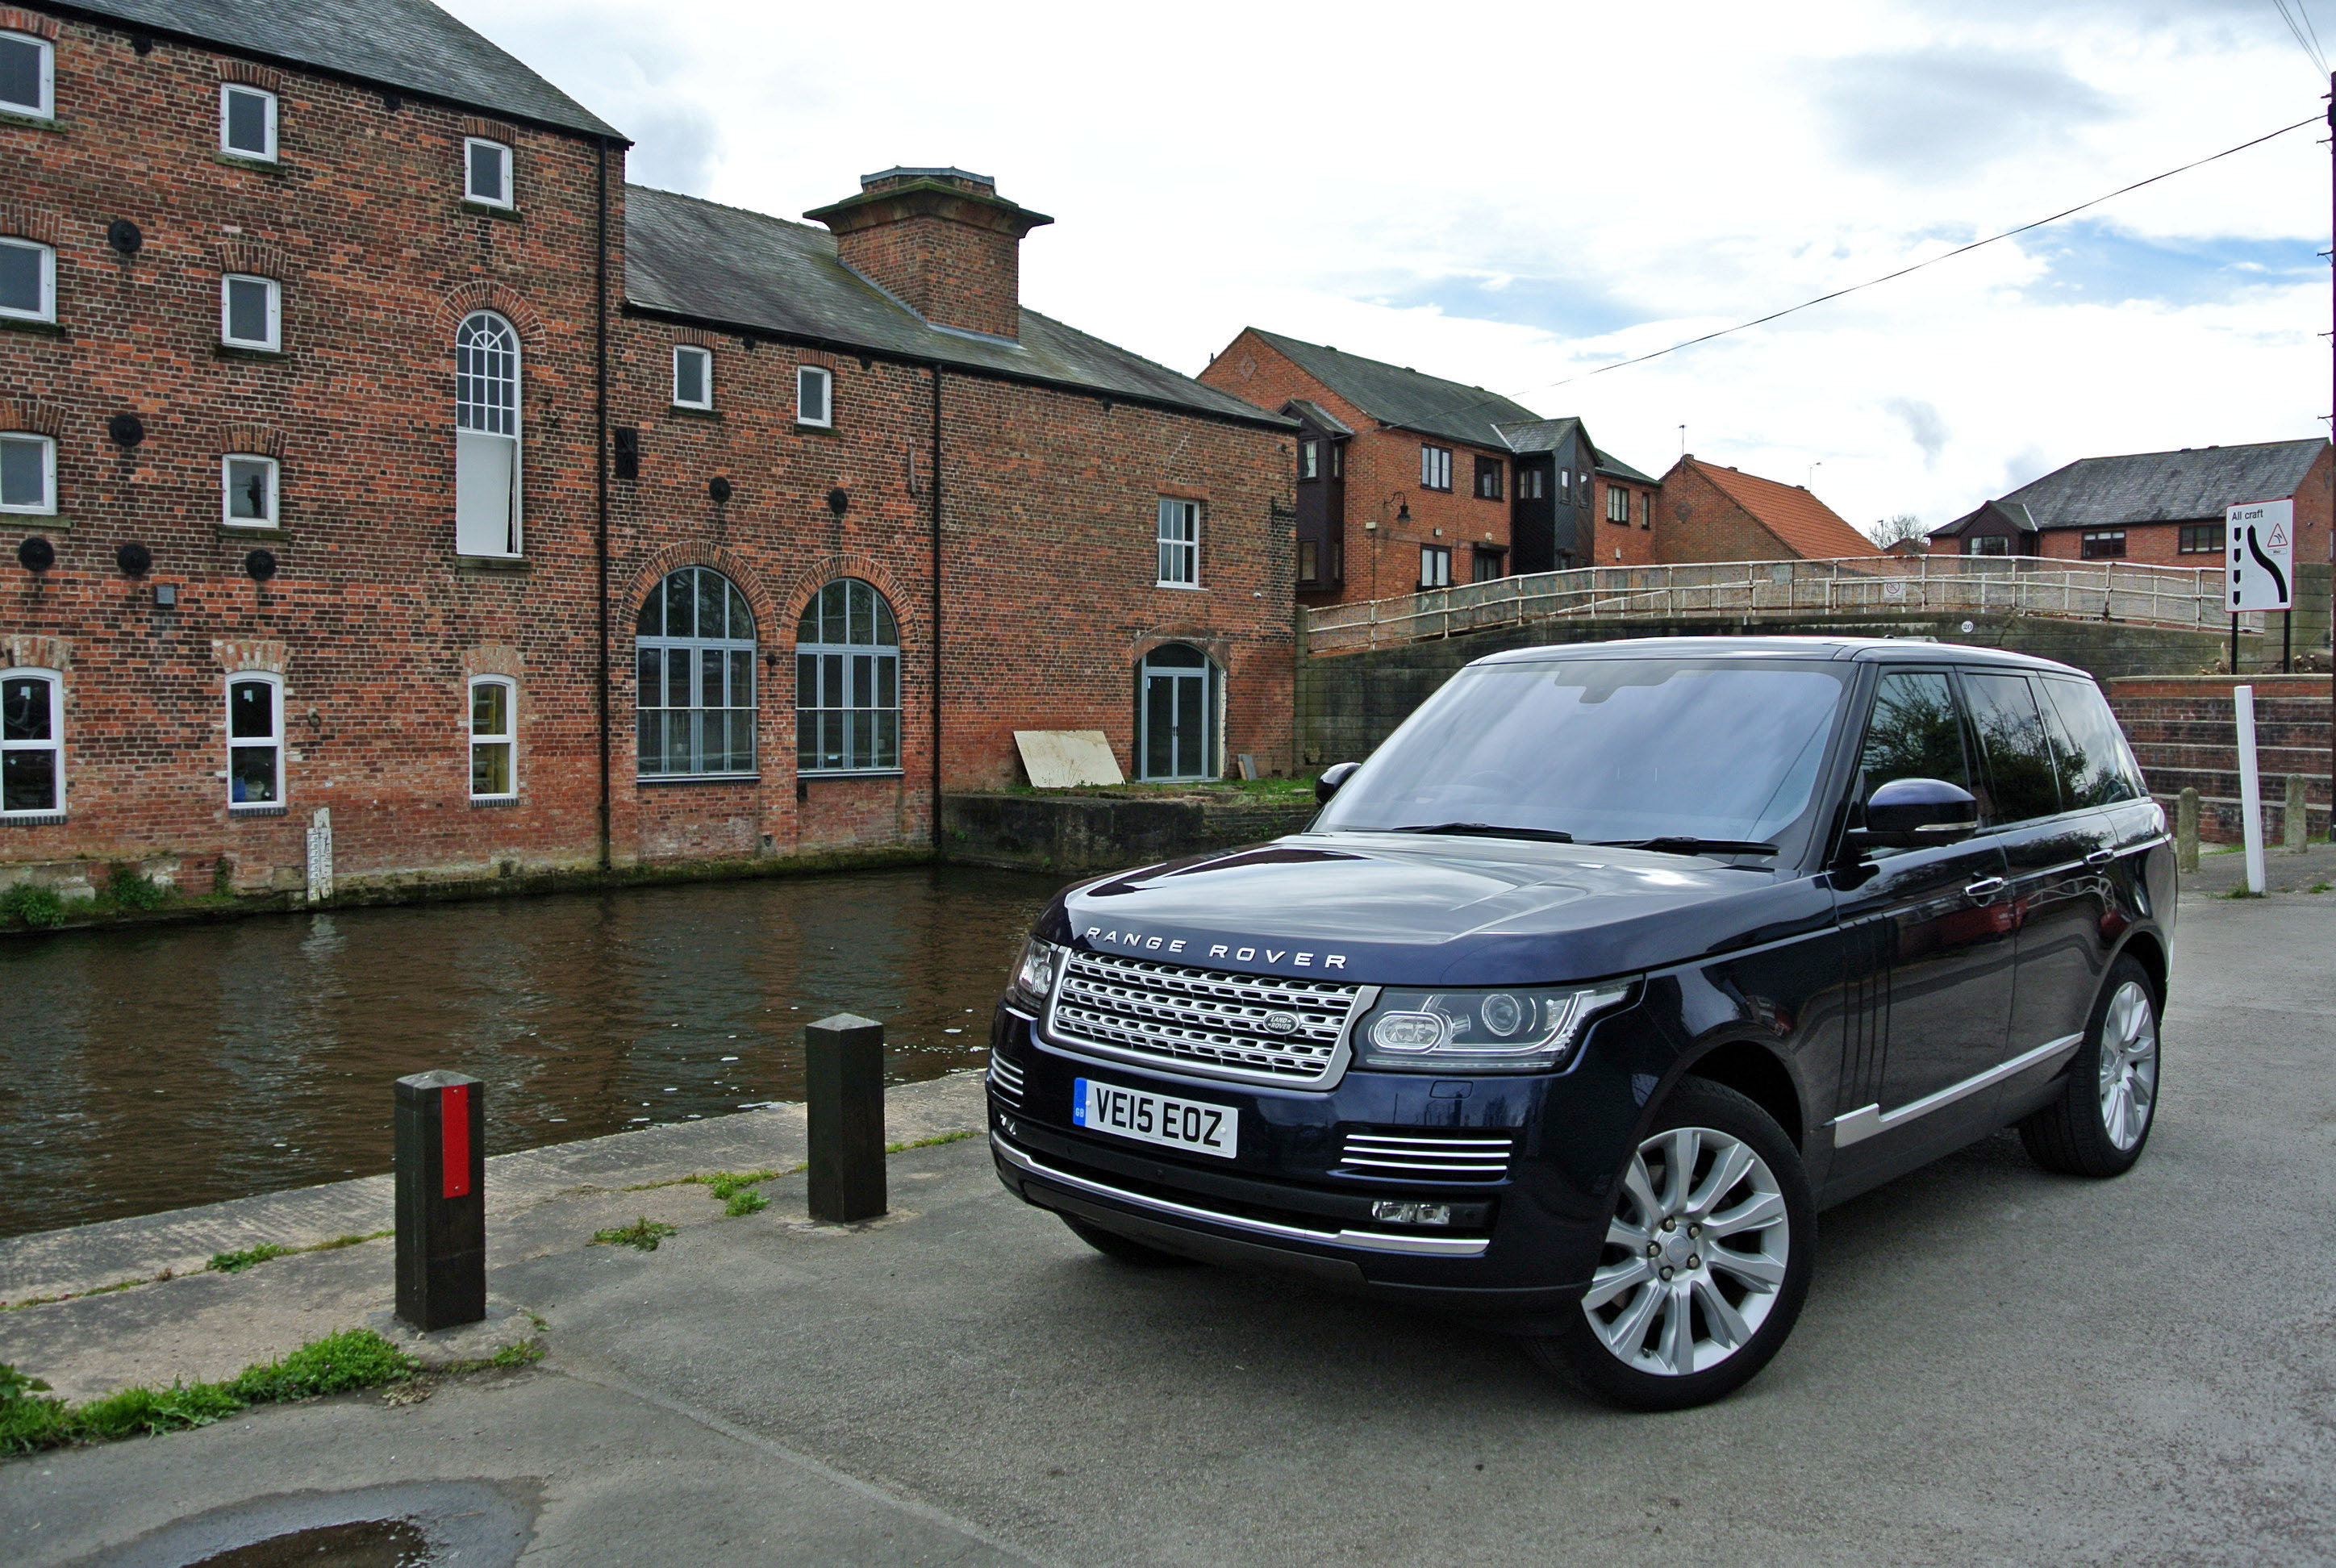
(1607, 750)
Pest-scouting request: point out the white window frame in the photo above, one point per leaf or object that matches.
(47, 506)
(274, 341)
(470, 193)
(47, 310)
(272, 742)
(54, 746)
(1177, 533)
(1434, 467)
(46, 109)
(226, 490)
(706, 357)
(507, 737)
(487, 430)
(809, 375)
(228, 90)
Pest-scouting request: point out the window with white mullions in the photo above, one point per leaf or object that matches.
(32, 744)
(695, 661)
(847, 682)
(493, 703)
(255, 741)
(1179, 543)
(1177, 694)
(247, 492)
(246, 122)
(28, 75)
(486, 436)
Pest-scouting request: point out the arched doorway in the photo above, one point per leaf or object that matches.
(1176, 698)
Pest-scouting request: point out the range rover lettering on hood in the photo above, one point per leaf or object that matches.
(1138, 942)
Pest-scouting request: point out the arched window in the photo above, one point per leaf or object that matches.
(32, 744)
(695, 651)
(1176, 714)
(486, 436)
(847, 682)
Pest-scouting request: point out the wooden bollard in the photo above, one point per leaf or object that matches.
(844, 1071)
(441, 1200)
(2295, 819)
(2186, 831)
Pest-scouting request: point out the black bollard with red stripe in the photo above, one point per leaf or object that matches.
(441, 1205)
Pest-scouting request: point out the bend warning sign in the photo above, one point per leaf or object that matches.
(2259, 541)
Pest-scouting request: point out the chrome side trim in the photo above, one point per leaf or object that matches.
(1868, 1120)
(1363, 1241)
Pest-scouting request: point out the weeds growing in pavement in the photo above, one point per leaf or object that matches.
(236, 1262)
(932, 1143)
(743, 1201)
(643, 1232)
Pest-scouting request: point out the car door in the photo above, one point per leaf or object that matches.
(1927, 942)
(2054, 847)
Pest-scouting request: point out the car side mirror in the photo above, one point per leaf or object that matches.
(1909, 813)
(1335, 775)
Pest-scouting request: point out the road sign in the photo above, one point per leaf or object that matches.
(2259, 539)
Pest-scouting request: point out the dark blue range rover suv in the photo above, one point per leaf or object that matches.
(1598, 979)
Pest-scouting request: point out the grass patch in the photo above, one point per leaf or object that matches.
(728, 1185)
(643, 1233)
(336, 1363)
(933, 1142)
(518, 1354)
(745, 1201)
(236, 1262)
(2243, 893)
(2317, 888)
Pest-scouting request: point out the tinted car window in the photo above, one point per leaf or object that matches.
(1607, 749)
(2095, 768)
(2021, 771)
(1915, 732)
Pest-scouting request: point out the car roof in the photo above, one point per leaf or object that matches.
(1858, 649)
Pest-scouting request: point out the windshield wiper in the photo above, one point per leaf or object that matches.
(1677, 845)
(1491, 831)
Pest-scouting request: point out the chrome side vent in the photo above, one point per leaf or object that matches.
(1452, 1157)
(1005, 1078)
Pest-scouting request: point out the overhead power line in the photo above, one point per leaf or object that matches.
(2307, 36)
(1934, 261)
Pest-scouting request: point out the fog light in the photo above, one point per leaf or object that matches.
(1396, 1213)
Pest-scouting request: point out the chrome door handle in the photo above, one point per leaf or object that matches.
(1984, 889)
(2100, 857)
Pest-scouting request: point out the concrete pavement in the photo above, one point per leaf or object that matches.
(1995, 1366)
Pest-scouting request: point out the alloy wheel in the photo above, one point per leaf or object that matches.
(2128, 1065)
(1695, 1253)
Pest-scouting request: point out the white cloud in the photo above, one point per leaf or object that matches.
(1516, 201)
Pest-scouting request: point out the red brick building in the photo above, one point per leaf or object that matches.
(2155, 508)
(1712, 513)
(394, 495)
(1407, 481)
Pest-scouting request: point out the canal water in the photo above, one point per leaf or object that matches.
(152, 1068)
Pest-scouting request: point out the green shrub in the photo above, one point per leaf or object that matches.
(31, 905)
(128, 888)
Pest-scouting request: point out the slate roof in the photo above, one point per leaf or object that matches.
(2012, 514)
(749, 271)
(1538, 434)
(1613, 467)
(410, 44)
(1807, 526)
(1322, 418)
(2167, 486)
(1395, 395)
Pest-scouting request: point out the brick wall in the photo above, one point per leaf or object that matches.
(372, 621)
(1625, 543)
(2185, 734)
(1695, 519)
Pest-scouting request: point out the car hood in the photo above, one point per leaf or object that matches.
(1403, 909)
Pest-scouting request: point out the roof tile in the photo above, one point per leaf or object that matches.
(1807, 526)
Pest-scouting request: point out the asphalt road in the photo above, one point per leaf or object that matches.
(1995, 1366)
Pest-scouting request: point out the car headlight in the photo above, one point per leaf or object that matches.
(1034, 977)
(1516, 1029)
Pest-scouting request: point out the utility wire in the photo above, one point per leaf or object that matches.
(1903, 271)
(2307, 36)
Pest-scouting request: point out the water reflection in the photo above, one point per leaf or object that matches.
(151, 1069)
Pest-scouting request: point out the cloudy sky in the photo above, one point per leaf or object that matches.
(1514, 194)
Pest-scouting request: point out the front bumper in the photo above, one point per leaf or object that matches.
(1291, 1202)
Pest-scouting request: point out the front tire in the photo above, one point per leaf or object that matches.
(2109, 1101)
(1706, 1264)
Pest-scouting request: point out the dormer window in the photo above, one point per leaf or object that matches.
(247, 122)
(27, 76)
(814, 405)
(486, 173)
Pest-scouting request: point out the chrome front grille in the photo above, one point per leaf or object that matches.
(1181, 1015)
(1455, 1156)
(1005, 1078)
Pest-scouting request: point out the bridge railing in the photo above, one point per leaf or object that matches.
(1887, 585)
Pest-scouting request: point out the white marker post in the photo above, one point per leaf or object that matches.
(2250, 786)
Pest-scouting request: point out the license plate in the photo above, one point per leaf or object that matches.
(1175, 1124)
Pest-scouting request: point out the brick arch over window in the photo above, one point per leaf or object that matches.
(512, 308)
(254, 257)
(19, 221)
(811, 579)
(12, 20)
(32, 414)
(1210, 643)
(674, 557)
(260, 440)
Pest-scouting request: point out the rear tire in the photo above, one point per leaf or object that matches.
(1706, 1264)
(2109, 1100)
(1121, 1248)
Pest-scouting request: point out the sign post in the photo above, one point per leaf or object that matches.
(2259, 552)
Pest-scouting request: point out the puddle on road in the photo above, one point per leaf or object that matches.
(368, 1543)
(151, 1069)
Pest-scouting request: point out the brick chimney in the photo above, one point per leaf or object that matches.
(940, 240)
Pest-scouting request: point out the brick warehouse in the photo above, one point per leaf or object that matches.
(242, 253)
